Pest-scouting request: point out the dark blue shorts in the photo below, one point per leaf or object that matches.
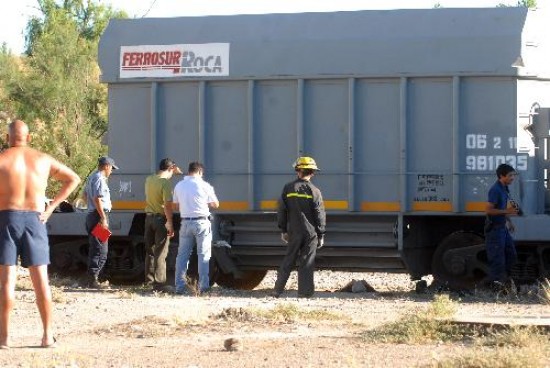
(23, 234)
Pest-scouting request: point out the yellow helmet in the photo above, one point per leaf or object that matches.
(305, 163)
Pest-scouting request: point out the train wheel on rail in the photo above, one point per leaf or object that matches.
(248, 281)
(460, 261)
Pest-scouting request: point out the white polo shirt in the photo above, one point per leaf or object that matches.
(193, 194)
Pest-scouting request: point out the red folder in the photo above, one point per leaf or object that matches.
(101, 233)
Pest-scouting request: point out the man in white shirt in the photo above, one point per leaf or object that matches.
(194, 197)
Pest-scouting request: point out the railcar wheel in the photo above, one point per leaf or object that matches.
(248, 281)
(460, 261)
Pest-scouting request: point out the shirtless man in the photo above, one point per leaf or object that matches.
(24, 176)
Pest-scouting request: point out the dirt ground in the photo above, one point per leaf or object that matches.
(133, 327)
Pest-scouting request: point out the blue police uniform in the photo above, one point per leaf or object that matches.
(501, 252)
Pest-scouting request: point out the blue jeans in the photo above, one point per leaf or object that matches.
(192, 231)
(501, 253)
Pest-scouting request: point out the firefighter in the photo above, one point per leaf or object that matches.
(302, 219)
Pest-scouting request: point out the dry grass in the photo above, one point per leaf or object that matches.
(544, 291)
(516, 336)
(291, 312)
(149, 326)
(23, 283)
(487, 347)
(423, 327)
(493, 358)
(57, 359)
(58, 295)
(287, 313)
(126, 294)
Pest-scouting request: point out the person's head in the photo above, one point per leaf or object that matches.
(506, 174)
(106, 165)
(18, 134)
(168, 166)
(305, 167)
(195, 168)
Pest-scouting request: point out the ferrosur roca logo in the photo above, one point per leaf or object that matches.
(169, 61)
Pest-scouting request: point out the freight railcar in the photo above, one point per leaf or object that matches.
(407, 113)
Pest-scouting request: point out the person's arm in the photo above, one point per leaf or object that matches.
(167, 197)
(169, 217)
(102, 214)
(491, 210)
(69, 181)
(282, 216)
(319, 213)
(212, 199)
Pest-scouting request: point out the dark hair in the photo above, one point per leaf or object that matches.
(166, 163)
(195, 167)
(504, 169)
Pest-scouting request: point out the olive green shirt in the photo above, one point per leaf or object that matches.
(157, 191)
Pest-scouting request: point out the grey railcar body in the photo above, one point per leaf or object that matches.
(407, 113)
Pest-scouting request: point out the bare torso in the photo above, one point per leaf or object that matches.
(24, 176)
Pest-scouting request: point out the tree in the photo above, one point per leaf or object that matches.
(521, 3)
(89, 18)
(10, 80)
(59, 94)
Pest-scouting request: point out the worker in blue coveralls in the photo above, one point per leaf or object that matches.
(501, 252)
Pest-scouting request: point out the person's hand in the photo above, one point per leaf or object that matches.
(44, 216)
(512, 211)
(284, 237)
(170, 229)
(321, 242)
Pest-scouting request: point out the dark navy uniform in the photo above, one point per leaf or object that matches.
(301, 214)
(501, 252)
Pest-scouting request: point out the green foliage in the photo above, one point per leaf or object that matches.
(521, 3)
(528, 3)
(9, 81)
(55, 88)
(88, 17)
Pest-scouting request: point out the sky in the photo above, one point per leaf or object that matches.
(15, 13)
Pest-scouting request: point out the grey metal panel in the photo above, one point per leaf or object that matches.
(226, 132)
(373, 43)
(128, 187)
(178, 133)
(376, 140)
(429, 132)
(326, 133)
(487, 124)
(129, 128)
(275, 136)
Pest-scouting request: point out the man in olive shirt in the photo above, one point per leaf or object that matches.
(159, 227)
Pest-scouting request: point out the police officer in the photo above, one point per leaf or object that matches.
(499, 244)
(302, 219)
(99, 205)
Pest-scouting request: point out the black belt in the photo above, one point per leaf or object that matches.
(194, 218)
